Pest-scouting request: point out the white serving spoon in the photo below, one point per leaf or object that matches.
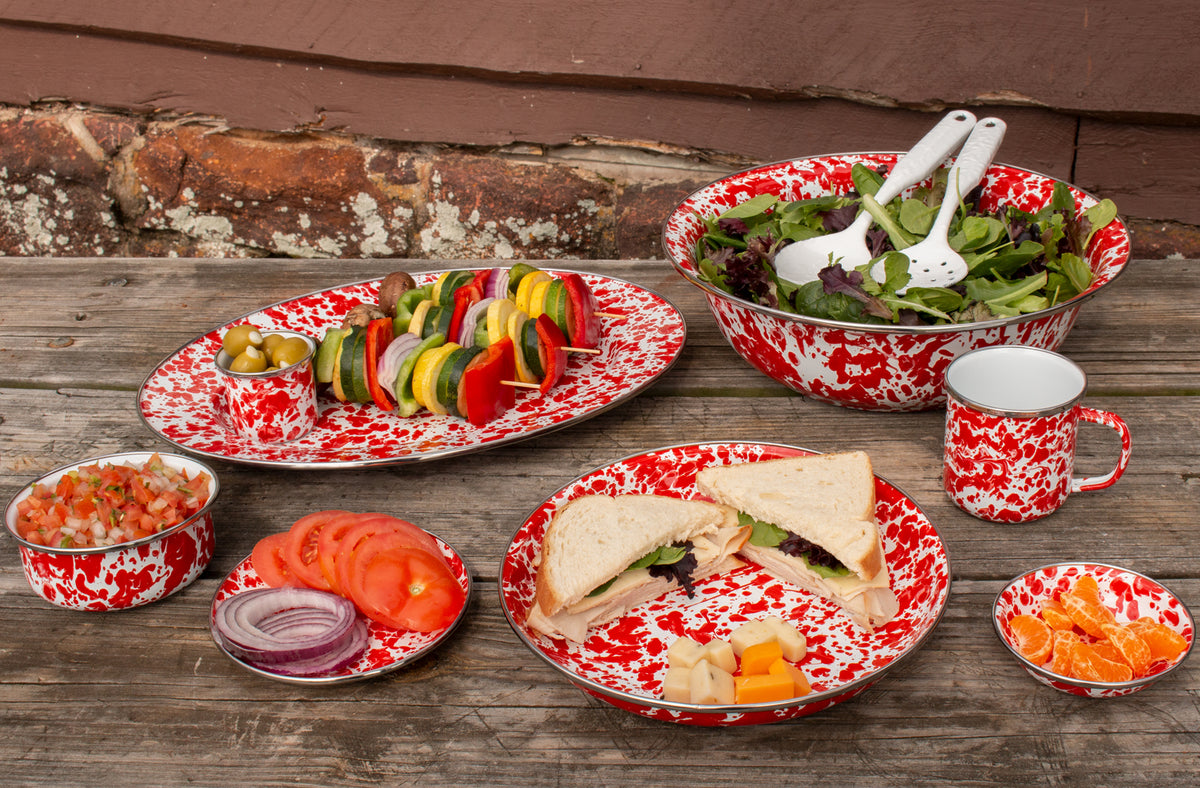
(932, 262)
(799, 262)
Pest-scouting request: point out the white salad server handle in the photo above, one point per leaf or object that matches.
(799, 262)
(932, 262)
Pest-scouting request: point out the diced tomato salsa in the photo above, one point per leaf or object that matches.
(103, 505)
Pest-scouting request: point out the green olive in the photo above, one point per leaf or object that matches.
(238, 338)
(249, 360)
(290, 351)
(270, 342)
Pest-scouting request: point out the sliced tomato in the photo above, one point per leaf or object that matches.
(372, 525)
(300, 548)
(269, 563)
(407, 588)
(328, 542)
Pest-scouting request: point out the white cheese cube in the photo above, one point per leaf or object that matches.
(791, 640)
(720, 653)
(710, 684)
(677, 685)
(749, 634)
(684, 653)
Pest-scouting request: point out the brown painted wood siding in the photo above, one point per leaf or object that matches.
(1102, 94)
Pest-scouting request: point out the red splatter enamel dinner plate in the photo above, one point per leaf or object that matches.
(387, 648)
(176, 401)
(624, 662)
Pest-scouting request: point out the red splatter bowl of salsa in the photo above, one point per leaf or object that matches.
(117, 531)
(880, 367)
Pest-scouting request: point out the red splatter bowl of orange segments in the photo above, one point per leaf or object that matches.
(1094, 630)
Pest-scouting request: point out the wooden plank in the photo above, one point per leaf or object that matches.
(483, 710)
(156, 310)
(1076, 58)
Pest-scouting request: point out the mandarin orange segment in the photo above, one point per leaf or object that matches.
(1087, 588)
(1054, 614)
(1132, 649)
(1106, 649)
(1088, 616)
(1090, 666)
(1063, 652)
(1163, 642)
(1033, 637)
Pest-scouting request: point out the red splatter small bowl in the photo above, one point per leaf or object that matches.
(1129, 594)
(872, 367)
(125, 575)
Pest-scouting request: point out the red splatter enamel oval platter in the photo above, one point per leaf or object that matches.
(624, 662)
(387, 648)
(177, 399)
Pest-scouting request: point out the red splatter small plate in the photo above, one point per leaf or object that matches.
(624, 662)
(176, 401)
(388, 649)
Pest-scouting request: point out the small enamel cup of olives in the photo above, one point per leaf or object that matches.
(267, 387)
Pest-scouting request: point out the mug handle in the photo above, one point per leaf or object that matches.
(1106, 419)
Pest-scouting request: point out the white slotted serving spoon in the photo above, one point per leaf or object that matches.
(932, 262)
(799, 262)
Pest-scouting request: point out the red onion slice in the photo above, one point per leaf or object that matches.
(391, 359)
(347, 655)
(497, 284)
(244, 624)
(466, 331)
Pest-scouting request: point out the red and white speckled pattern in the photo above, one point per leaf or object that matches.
(270, 407)
(121, 576)
(1129, 594)
(1011, 469)
(387, 649)
(175, 401)
(871, 367)
(623, 662)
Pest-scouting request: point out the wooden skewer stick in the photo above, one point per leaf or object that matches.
(593, 351)
(519, 384)
(613, 315)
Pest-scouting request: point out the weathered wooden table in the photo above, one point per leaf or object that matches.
(144, 696)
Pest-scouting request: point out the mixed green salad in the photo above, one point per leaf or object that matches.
(1019, 262)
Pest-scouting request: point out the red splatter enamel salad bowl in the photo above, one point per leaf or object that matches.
(1129, 594)
(624, 661)
(872, 367)
(124, 575)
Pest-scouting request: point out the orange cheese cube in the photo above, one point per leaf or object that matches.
(757, 659)
(781, 667)
(762, 688)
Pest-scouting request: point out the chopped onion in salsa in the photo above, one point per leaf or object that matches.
(104, 505)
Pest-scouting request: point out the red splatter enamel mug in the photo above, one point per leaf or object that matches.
(269, 407)
(1012, 416)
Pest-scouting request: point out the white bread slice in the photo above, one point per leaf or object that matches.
(828, 499)
(596, 537)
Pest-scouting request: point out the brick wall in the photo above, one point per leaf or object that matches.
(84, 182)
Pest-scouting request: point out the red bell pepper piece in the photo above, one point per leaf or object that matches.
(585, 326)
(463, 298)
(379, 336)
(482, 395)
(481, 280)
(551, 344)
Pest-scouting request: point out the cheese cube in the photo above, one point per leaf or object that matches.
(720, 653)
(750, 633)
(799, 680)
(710, 685)
(677, 685)
(792, 640)
(684, 653)
(757, 659)
(763, 688)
